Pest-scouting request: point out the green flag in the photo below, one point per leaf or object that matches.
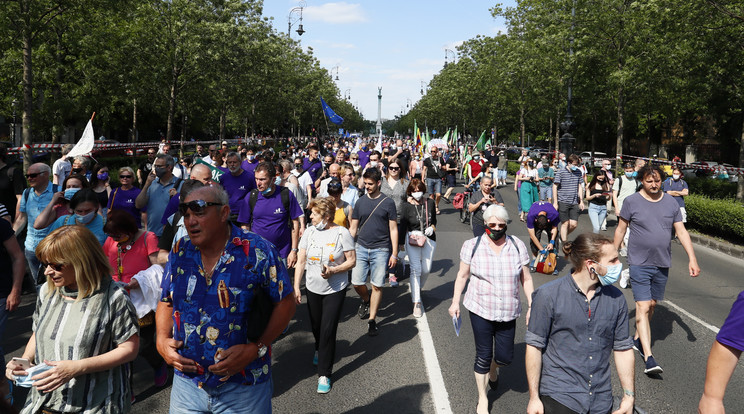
(454, 137)
(481, 144)
(445, 137)
(216, 172)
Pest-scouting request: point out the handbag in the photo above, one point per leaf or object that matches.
(545, 263)
(418, 238)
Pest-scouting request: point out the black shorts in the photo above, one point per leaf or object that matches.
(568, 212)
(450, 180)
(538, 234)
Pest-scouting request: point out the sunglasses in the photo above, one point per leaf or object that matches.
(197, 206)
(55, 266)
(150, 153)
(33, 175)
(495, 225)
(394, 168)
(125, 176)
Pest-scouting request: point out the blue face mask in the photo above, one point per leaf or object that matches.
(86, 218)
(266, 191)
(612, 275)
(278, 181)
(70, 192)
(574, 168)
(635, 174)
(629, 175)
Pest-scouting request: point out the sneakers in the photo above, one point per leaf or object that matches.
(372, 331)
(637, 346)
(418, 310)
(324, 385)
(315, 359)
(603, 228)
(652, 367)
(161, 375)
(624, 251)
(393, 281)
(363, 311)
(625, 279)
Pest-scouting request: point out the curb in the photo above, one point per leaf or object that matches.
(721, 246)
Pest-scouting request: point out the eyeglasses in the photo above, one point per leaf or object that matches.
(125, 176)
(197, 206)
(55, 266)
(150, 153)
(34, 175)
(394, 168)
(495, 225)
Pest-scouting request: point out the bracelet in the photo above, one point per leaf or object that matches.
(295, 250)
(629, 393)
(552, 242)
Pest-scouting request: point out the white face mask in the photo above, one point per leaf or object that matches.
(417, 195)
(321, 226)
(675, 176)
(373, 164)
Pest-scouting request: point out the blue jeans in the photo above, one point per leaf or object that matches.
(493, 340)
(433, 186)
(546, 192)
(229, 398)
(33, 267)
(372, 263)
(597, 215)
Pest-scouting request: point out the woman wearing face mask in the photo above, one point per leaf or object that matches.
(343, 209)
(80, 167)
(355, 163)
(395, 187)
(597, 192)
(495, 264)
(474, 167)
(133, 255)
(99, 182)
(123, 197)
(528, 193)
(418, 221)
(416, 166)
(60, 204)
(518, 188)
(84, 205)
(327, 253)
(349, 192)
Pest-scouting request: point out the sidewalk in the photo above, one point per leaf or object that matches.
(722, 246)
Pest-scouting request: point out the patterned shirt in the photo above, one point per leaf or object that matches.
(568, 185)
(209, 313)
(493, 292)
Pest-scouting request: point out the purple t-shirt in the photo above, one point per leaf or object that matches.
(651, 223)
(553, 217)
(271, 219)
(124, 200)
(171, 208)
(249, 166)
(732, 331)
(671, 185)
(313, 168)
(363, 158)
(237, 188)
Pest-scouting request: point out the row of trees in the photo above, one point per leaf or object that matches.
(642, 72)
(211, 68)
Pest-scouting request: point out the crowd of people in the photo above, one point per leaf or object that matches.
(197, 263)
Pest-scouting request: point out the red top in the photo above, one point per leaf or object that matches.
(475, 168)
(133, 260)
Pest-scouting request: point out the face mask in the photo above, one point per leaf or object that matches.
(675, 176)
(373, 164)
(496, 235)
(77, 170)
(278, 181)
(417, 195)
(335, 149)
(70, 192)
(600, 179)
(354, 162)
(418, 158)
(546, 166)
(160, 172)
(574, 168)
(266, 191)
(476, 158)
(103, 176)
(612, 275)
(635, 174)
(629, 174)
(321, 226)
(364, 148)
(393, 147)
(86, 218)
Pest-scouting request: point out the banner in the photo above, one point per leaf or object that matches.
(332, 116)
(216, 172)
(85, 145)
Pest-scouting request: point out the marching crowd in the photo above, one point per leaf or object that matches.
(197, 264)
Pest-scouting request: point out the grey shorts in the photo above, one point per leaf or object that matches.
(568, 212)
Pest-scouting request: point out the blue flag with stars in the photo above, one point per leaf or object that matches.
(332, 116)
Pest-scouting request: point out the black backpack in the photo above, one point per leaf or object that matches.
(283, 193)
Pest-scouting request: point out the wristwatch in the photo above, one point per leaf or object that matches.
(262, 349)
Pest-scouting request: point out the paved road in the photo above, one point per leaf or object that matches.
(388, 373)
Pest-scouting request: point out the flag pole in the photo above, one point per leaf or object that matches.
(325, 117)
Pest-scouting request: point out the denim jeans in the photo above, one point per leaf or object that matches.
(33, 267)
(229, 398)
(597, 215)
(434, 186)
(372, 264)
(494, 340)
(546, 193)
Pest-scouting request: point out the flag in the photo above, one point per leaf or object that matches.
(445, 137)
(481, 144)
(417, 134)
(85, 145)
(332, 116)
(426, 137)
(453, 138)
(216, 172)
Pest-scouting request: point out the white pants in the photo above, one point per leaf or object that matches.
(419, 259)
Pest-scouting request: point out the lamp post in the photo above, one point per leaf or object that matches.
(422, 87)
(409, 104)
(13, 132)
(448, 52)
(336, 69)
(568, 125)
(290, 22)
(347, 94)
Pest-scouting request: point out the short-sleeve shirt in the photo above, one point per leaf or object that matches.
(10, 188)
(650, 223)
(732, 331)
(624, 186)
(69, 329)
(33, 205)
(95, 226)
(351, 195)
(158, 198)
(270, 219)
(577, 337)
(209, 313)
(554, 219)
(6, 264)
(477, 196)
(61, 168)
(237, 188)
(475, 167)
(433, 167)
(124, 200)
(568, 185)
(546, 176)
(670, 184)
(134, 258)
(376, 233)
(325, 247)
(249, 166)
(314, 168)
(452, 164)
(493, 291)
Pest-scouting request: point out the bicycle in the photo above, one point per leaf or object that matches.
(464, 212)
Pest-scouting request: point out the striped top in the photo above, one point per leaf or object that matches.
(568, 185)
(70, 330)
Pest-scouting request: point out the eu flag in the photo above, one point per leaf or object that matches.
(332, 116)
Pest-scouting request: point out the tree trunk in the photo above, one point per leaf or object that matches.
(620, 127)
(594, 134)
(557, 131)
(223, 121)
(56, 93)
(521, 124)
(28, 97)
(740, 189)
(134, 121)
(172, 106)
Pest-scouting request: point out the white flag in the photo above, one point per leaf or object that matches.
(85, 145)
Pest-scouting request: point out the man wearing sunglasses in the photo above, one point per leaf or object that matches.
(204, 317)
(33, 201)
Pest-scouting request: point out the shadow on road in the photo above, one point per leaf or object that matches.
(407, 401)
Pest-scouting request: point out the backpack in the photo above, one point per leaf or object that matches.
(26, 192)
(459, 201)
(284, 194)
(620, 186)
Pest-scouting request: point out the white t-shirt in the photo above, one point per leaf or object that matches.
(304, 180)
(61, 168)
(321, 246)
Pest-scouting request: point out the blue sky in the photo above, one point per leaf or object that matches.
(391, 44)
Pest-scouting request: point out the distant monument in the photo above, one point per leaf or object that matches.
(378, 130)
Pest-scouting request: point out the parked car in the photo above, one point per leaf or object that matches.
(733, 177)
(592, 161)
(700, 169)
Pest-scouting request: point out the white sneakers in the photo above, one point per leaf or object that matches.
(624, 278)
(418, 310)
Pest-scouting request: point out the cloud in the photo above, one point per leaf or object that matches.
(336, 13)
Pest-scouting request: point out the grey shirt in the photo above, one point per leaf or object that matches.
(577, 337)
(478, 196)
(650, 223)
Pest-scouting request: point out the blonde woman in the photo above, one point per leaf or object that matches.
(93, 323)
(122, 197)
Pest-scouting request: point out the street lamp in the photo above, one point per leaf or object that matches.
(567, 140)
(347, 94)
(13, 133)
(422, 87)
(448, 52)
(290, 22)
(409, 104)
(336, 69)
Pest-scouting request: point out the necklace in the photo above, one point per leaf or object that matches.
(208, 275)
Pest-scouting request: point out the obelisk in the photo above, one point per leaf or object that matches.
(379, 112)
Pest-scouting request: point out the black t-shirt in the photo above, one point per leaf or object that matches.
(478, 196)
(6, 265)
(434, 168)
(11, 187)
(413, 217)
(145, 167)
(452, 163)
(376, 233)
(493, 159)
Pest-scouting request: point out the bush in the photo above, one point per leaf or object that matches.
(716, 189)
(719, 217)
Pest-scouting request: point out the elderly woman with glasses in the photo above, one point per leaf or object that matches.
(495, 264)
(84, 330)
(123, 197)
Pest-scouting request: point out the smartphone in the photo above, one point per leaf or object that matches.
(23, 362)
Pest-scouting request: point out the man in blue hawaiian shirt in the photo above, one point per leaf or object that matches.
(209, 284)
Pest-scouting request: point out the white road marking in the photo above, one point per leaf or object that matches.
(691, 316)
(438, 391)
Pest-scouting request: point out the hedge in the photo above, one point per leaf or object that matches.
(718, 217)
(718, 189)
